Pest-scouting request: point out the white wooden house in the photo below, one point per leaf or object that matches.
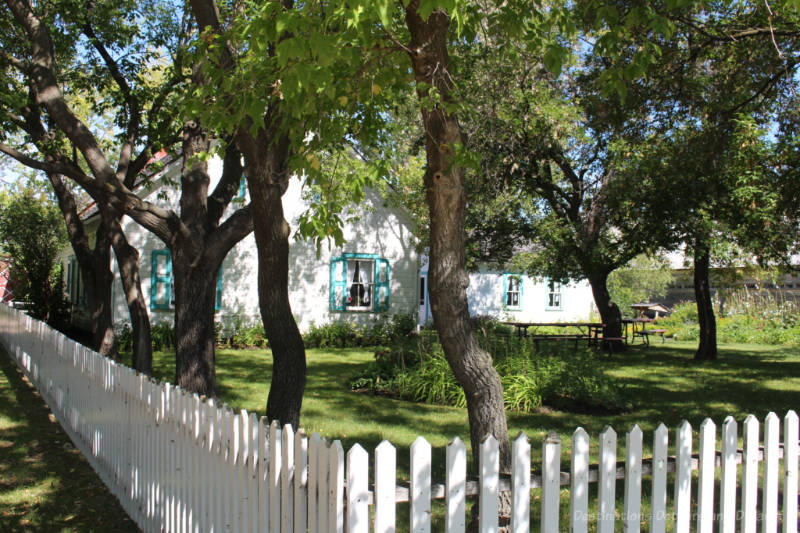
(517, 297)
(376, 274)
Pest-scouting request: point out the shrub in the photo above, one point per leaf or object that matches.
(561, 377)
(348, 335)
(163, 336)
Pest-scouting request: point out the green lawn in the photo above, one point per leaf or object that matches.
(663, 381)
(45, 484)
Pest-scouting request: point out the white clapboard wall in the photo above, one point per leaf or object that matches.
(181, 464)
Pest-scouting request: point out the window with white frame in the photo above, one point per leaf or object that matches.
(359, 282)
(512, 291)
(554, 300)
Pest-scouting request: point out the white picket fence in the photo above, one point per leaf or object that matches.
(178, 463)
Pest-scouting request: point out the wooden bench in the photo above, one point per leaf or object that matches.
(576, 338)
(609, 341)
(646, 335)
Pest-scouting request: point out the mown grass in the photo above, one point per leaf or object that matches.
(663, 383)
(45, 484)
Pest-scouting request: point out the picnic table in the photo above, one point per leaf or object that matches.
(641, 327)
(588, 331)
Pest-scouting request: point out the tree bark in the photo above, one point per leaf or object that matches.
(446, 198)
(707, 347)
(610, 313)
(195, 289)
(267, 178)
(128, 263)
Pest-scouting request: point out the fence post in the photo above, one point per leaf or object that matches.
(772, 441)
(607, 480)
(705, 482)
(750, 475)
(357, 492)
(420, 486)
(287, 479)
(336, 488)
(579, 479)
(274, 477)
(521, 484)
(300, 481)
(551, 477)
(790, 451)
(456, 480)
(385, 476)
(683, 478)
(633, 480)
(489, 484)
(727, 494)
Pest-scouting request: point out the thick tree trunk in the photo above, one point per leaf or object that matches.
(195, 289)
(610, 313)
(128, 263)
(446, 198)
(288, 352)
(98, 293)
(707, 348)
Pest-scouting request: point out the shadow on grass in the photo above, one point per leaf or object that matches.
(45, 484)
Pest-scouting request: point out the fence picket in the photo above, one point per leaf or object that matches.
(357, 491)
(790, 478)
(489, 483)
(632, 510)
(323, 485)
(287, 479)
(705, 483)
(274, 477)
(455, 489)
(521, 484)
(385, 475)
(608, 480)
(772, 439)
(420, 486)
(263, 475)
(551, 477)
(314, 443)
(579, 488)
(727, 493)
(750, 475)
(254, 466)
(242, 462)
(683, 478)
(336, 488)
(300, 480)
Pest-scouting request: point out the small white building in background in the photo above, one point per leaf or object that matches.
(377, 273)
(516, 297)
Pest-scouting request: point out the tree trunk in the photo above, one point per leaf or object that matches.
(446, 198)
(195, 289)
(128, 263)
(707, 348)
(610, 313)
(288, 352)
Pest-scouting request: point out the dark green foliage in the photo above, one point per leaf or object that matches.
(349, 335)
(553, 375)
(163, 336)
(32, 234)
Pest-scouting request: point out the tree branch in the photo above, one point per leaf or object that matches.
(228, 185)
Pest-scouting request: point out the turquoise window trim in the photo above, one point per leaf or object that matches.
(70, 277)
(242, 187)
(506, 276)
(338, 283)
(547, 306)
(218, 299)
(155, 279)
(166, 280)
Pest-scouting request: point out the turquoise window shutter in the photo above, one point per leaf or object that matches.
(338, 285)
(160, 284)
(242, 187)
(382, 272)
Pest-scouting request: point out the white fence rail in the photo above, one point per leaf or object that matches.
(181, 464)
